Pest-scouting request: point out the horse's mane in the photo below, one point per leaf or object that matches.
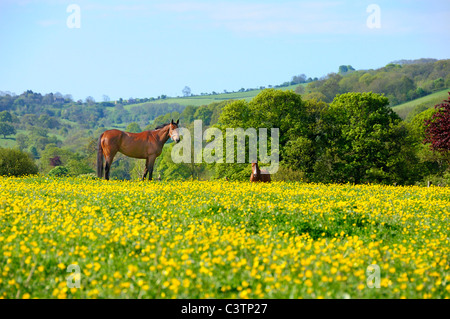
(161, 126)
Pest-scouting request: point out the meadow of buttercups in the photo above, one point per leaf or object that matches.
(219, 239)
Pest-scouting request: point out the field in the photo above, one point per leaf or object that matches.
(218, 239)
(427, 102)
(199, 100)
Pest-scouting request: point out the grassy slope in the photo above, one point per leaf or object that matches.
(430, 101)
(10, 140)
(208, 99)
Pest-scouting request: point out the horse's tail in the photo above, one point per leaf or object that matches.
(100, 157)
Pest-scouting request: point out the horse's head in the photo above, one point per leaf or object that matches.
(173, 131)
(255, 167)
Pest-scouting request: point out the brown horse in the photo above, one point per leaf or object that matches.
(258, 175)
(147, 145)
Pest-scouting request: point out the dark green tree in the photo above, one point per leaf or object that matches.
(284, 110)
(6, 129)
(5, 116)
(187, 116)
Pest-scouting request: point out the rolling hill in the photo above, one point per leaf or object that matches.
(420, 104)
(199, 100)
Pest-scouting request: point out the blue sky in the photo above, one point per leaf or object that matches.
(148, 48)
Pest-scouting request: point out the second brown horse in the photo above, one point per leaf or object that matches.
(258, 175)
(147, 145)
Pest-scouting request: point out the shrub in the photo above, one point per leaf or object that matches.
(59, 171)
(289, 175)
(14, 162)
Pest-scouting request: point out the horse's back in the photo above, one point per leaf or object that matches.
(111, 137)
(130, 144)
(265, 176)
(114, 133)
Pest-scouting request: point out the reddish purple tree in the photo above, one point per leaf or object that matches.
(55, 161)
(437, 129)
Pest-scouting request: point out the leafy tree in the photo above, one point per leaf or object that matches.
(367, 141)
(133, 128)
(90, 100)
(297, 79)
(315, 96)
(203, 113)
(302, 152)
(300, 89)
(6, 129)
(34, 152)
(175, 171)
(55, 161)
(431, 163)
(49, 121)
(299, 153)
(5, 116)
(284, 110)
(438, 128)
(78, 166)
(29, 120)
(343, 69)
(186, 91)
(50, 153)
(40, 139)
(15, 162)
(187, 116)
(271, 108)
(22, 141)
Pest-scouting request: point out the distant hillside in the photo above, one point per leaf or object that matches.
(409, 109)
(399, 82)
(418, 61)
(199, 100)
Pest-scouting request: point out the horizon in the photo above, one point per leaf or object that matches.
(142, 49)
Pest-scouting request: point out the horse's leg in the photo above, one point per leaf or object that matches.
(146, 169)
(109, 160)
(150, 163)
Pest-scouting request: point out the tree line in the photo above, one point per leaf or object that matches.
(399, 82)
(356, 138)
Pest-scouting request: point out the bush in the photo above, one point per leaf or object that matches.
(59, 171)
(78, 167)
(436, 180)
(289, 175)
(14, 162)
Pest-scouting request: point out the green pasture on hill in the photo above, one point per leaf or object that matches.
(425, 102)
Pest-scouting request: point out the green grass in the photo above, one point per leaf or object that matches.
(208, 99)
(68, 122)
(10, 140)
(426, 102)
